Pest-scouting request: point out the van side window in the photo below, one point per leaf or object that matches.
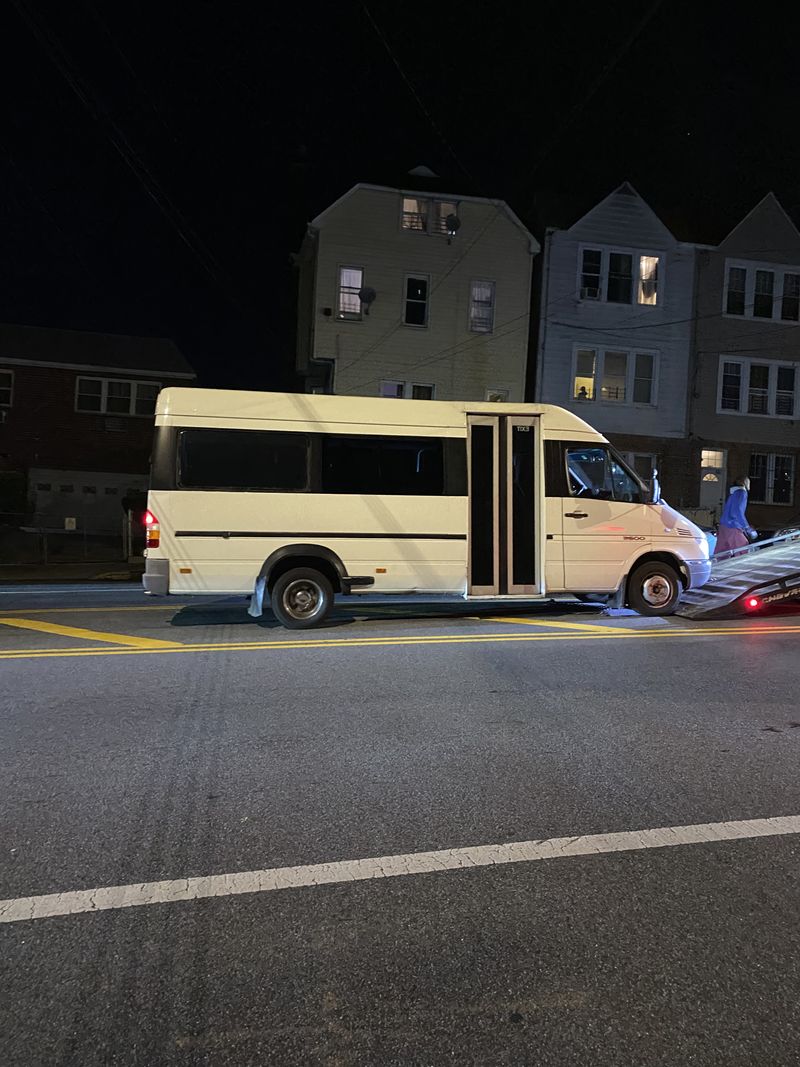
(243, 459)
(593, 471)
(398, 466)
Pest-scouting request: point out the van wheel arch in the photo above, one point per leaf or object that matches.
(314, 557)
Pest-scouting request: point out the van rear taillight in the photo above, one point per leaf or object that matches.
(152, 537)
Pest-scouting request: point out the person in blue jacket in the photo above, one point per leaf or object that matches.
(734, 529)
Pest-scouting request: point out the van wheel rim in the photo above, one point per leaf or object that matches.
(657, 591)
(302, 599)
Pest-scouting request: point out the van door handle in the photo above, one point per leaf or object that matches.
(576, 514)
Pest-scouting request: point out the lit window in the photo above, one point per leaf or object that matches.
(584, 374)
(648, 280)
(615, 374)
(737, 282)
(444, 211)
(764, 292)
(415, 214)
(620, 278)
(6, 388)
(481, 307)
(351, 282)
(712, 457)
(421, 392)
(416, 301)
(393, 389)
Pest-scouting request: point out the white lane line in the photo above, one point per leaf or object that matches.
(223, 885)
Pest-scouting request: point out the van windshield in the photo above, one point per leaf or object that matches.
(596, 471)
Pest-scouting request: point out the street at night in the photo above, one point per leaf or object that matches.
(165, 746)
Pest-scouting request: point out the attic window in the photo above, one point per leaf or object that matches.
(427, 216)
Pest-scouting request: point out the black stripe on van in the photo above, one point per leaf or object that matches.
(294, 535)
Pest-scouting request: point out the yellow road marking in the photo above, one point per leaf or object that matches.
(86, 635)
(582, 626)
(109, 610)
(388, 642)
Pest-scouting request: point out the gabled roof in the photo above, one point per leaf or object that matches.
(628, 191)
(768, 207)
(78, 348)
(501, 205)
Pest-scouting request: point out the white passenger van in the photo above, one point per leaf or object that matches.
(300, 497)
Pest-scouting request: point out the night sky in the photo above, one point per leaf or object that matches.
(159, 162)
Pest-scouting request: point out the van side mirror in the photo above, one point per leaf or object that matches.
(655, 488)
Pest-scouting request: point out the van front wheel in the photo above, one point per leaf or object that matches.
(654, 589)
(301, 598)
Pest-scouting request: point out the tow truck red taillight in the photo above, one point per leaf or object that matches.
(152, 537)
(752, 603)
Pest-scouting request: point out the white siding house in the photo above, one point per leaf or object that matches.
(615, 329)
(415, 294)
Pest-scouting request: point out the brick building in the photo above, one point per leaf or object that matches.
(76, 421)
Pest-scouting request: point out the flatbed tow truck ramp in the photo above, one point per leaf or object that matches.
(760, 575)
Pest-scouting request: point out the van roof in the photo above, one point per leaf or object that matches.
(233, 404)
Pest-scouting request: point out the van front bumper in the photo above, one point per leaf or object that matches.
(156, 577)
(698, 570)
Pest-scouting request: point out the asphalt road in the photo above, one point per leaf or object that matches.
(146, 743)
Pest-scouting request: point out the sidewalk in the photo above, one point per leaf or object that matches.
(109, 571)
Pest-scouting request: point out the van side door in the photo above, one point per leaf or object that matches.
(605, 518)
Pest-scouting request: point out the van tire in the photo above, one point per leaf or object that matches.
(654, 588)
(301, 598)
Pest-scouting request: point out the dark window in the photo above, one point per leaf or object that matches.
(790, 304)
(758, 394)
(118, 400)
(784, 395)
(146, 396)
(416, 313)
(394, 466)
(43, 487)
(591, 273)
(6, 388)
(758, 478)
(620, 278)
(243, 459)
(737, 279)
(110, 490)
(90, 489)
(67, 488)
(762, 298)
(90, 394)
(731, 386)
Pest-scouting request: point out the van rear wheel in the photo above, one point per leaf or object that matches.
(654, 589)
(301, 598)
